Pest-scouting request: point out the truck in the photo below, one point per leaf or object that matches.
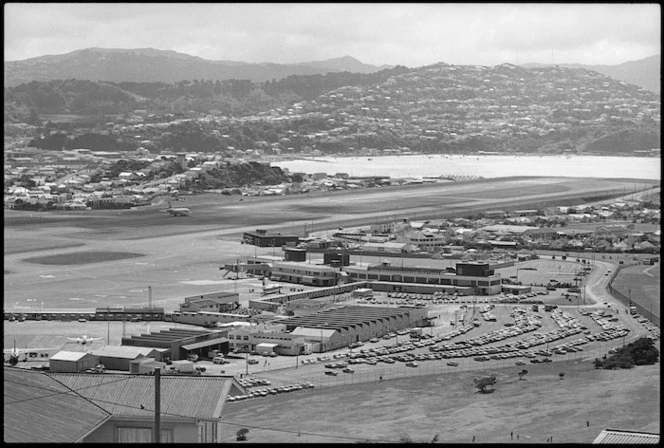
(548, 307)
(633, 310)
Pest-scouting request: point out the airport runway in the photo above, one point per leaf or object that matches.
(182, 255)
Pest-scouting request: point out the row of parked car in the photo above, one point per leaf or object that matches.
(271, 391)
(648, 325)
(252, 382)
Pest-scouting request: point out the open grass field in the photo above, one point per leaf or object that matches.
(81, 258)
(645, 285)
(543, 271)
(418, 409)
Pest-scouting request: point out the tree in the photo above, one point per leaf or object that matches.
(483, 383)
(523, 373)
(242, 434)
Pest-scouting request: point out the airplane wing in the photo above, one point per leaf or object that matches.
(95, 339)
(74, 339)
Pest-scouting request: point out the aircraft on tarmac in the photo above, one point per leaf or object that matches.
(84, 339)
(15, 353)
(176, 211)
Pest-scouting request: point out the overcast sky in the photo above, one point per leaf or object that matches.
(389, 33)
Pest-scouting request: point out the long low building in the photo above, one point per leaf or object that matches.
(305, 273)
(478, 277)
(327, 330)
(179, 343)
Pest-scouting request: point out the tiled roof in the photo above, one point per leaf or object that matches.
(38, 409)
(192, 397)
(614, 436)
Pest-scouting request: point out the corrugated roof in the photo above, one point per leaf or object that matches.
(315, 332)
(615, 436)
(123, 351)
(63, 416)
(64, 355)
(204, 343)
(196, 397)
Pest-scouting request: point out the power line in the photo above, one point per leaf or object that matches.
(96, 400)
(56, 392)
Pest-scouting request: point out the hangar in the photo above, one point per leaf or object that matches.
(182, 342)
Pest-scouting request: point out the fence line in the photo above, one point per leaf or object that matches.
(627, 301)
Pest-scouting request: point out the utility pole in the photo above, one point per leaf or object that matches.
(157, 408)
(108, 325)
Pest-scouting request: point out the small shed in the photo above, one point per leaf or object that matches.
(66, 361)
(266, 347)
(120, 357)
(144, 366)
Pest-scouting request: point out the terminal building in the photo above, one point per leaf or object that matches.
(305, 273)
(469, 278)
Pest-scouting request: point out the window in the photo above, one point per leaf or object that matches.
(246, 338)
(130, 434)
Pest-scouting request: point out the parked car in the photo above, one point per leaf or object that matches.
(348, 370)
(453, 364)
(412, 364)
(252, 361)
(331, 372)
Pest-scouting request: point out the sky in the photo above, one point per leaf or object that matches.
(410, 34)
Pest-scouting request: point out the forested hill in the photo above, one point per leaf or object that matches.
(439, 108)
(231, 97)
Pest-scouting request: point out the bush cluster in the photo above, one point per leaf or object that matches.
(640, 352)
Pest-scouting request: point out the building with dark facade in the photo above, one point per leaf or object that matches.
(262, 238)
(336, 259)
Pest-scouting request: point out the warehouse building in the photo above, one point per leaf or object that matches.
(179, 343)
(72, 362)
(294, 254)
(352, 324)
(326, 330)
(220, 302)
(120, 357)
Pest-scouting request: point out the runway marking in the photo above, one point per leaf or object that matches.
(47, 276)
(645, 271)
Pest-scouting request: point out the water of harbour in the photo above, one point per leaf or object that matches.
(486, 166)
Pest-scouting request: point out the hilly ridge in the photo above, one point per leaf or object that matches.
(645, 73)
(151, 65)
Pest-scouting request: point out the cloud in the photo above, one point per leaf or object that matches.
(412, 34)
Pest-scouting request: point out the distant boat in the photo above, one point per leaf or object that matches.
(369, 159)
